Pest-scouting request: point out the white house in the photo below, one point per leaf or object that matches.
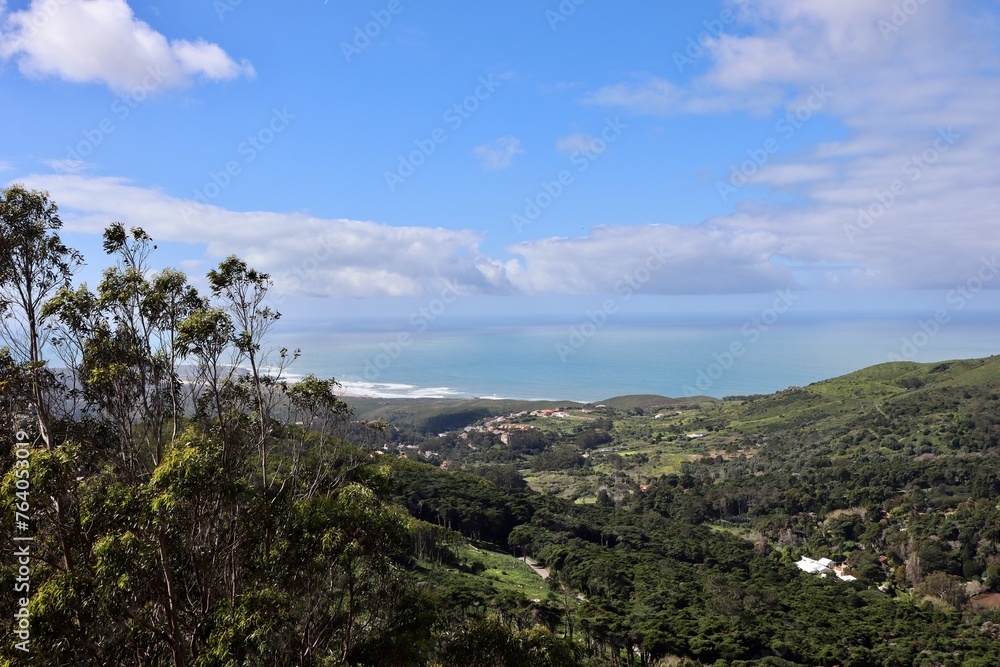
(823, 567)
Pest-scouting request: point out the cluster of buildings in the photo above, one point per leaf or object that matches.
(823, 567)
(498, 426)
(503, 426)
(558, 413)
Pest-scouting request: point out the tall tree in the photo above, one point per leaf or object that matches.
(243, 291)
(121, 342)
(34, 265)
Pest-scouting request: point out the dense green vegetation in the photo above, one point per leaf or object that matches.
(185, 506)
(188, 506)
(892, 470)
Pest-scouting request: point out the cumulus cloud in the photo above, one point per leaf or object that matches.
(304, 254)
(102, 41)
(499, 154)
(900, 201)
(351, 258)
(781, 47)
(905, 244)
(652, 259)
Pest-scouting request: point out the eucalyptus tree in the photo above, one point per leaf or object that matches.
(242, 291)
(127, 349)
(121, 342)
(34, 265)
(170, 300)
(171, 537)
(315, 459)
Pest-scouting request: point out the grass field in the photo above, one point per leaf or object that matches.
(483, 572)
(506, 572)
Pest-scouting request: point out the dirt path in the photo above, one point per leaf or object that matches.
(988, 601)
(540, 571)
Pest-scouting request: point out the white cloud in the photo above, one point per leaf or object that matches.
(6, 166)
(210, 60)
(499, 154)
(102, 41)
(929, 236)
(787, 45)
(652, 259)
(304, 254)
(895, 81)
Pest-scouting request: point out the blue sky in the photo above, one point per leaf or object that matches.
(526, 153)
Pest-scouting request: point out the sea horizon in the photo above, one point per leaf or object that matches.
(713, 356)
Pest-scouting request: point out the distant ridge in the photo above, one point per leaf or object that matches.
(650, 401)
(872, 383)
(431, 413)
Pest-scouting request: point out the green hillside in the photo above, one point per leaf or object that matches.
(651, 402)
(687, 521)
(421, 413)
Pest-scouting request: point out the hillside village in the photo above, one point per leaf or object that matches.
(503, 426)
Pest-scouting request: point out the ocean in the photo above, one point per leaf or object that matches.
(590, 361)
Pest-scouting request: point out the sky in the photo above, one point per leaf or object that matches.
(524, 156)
